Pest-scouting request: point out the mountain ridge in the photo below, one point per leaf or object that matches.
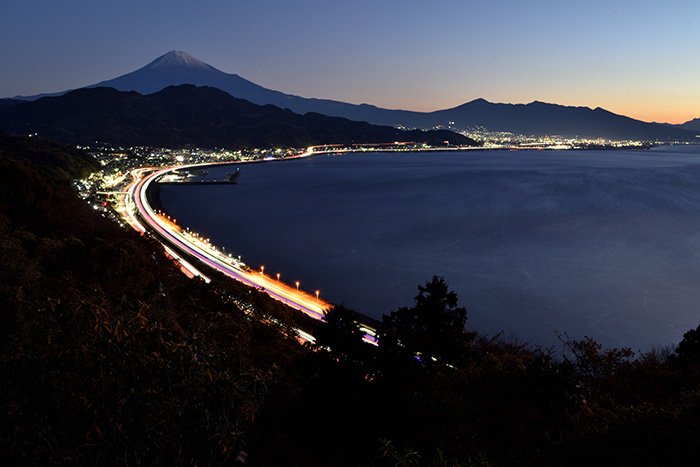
(692, 125)
(536, 118)
(185, 115)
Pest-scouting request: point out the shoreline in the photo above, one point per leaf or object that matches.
(172, 236)
(153, 197)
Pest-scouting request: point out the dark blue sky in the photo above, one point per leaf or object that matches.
(633, 57)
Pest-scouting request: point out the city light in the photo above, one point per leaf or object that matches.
(126, 173)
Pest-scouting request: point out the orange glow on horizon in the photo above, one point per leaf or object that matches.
(674, 108)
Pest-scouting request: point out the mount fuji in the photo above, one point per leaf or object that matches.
(177, 67)
(536, 118)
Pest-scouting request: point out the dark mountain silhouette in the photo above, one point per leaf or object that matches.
(7, 103)
(536, 118)
(177, 67)
(539, 118)
(692, 125)
(187, 115)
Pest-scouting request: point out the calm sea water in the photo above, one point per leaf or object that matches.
(598, 243)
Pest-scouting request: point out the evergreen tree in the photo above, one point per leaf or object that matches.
(688, 350)
(433, 327)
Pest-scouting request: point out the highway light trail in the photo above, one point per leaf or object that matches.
(185, 242)
(137, 211)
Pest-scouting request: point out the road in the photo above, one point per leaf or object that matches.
(138, 213)
(197, 247)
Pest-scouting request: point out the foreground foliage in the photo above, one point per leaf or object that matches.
(109, 356)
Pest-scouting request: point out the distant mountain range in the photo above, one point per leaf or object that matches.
(536, 118)
(198, 116)
(693, 125)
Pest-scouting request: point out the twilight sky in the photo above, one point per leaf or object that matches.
(634, 57)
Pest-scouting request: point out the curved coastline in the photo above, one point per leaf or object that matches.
(209, 256)
(234, 269)
(140, 193)
(173, 236)
(527, 280)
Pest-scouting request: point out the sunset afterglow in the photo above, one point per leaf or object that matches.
(632, 58)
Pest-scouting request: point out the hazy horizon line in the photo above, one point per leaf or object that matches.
(409, 108)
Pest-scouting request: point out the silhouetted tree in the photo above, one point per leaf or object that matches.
(433, 327)
(688, 350)
(341, 333)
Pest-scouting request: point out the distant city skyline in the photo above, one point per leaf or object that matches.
(636, 58)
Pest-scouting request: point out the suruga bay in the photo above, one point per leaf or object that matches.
(537, 244)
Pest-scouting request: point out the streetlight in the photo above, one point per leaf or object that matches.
(317, 293)
(297, 284)
(262, 270)
(278, 277)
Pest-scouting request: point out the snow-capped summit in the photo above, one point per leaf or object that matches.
(177, 67)
(178, 58)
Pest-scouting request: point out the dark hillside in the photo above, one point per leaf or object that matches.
(109, 356)
(186, 115)
(692, 125)
(7, 103)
